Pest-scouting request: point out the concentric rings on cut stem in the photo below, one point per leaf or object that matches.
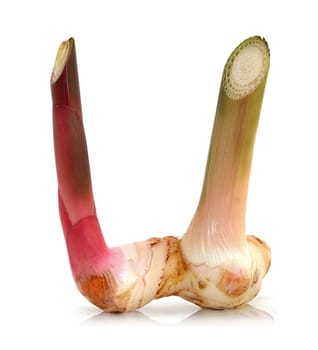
(246, 68)
(61, 58)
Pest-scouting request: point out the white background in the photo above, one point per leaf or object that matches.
(150, 73)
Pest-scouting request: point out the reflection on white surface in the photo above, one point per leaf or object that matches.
(241, 316)
(182, 313)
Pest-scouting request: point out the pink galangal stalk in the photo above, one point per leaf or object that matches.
(214, 264)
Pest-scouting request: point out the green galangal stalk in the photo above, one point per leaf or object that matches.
(214, 264)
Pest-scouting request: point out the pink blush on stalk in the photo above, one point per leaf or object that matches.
(88, 252)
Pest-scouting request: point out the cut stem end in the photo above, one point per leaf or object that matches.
(61, 58)
(246, 68)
